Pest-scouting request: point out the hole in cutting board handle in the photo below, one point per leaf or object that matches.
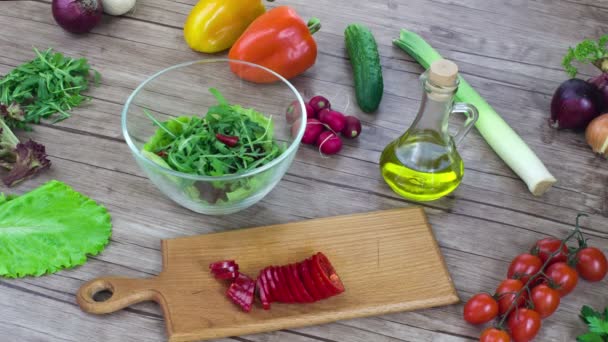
(102, 295)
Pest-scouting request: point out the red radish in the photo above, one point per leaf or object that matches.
(352, 127)
(77, 16)
(293, 111)
(310, 112)
(329, 143)
(318, 103)
(335, 120)
(314, 128)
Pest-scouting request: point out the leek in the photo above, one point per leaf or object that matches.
(500, 136)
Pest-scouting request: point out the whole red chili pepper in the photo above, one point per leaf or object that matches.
(228, 140)
(279, 40)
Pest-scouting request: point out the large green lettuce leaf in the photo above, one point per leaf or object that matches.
(48, 229)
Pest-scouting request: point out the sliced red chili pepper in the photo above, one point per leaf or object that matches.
(275, 293)
(224, 275)
(244, 281)
(297, 296)
(308, 281)
(228, 140)
(240, 296)
(283, 285)
(224, 264)
(319, 283)
(265, 286)
(294, 278)
(328, 273)
(262, 294)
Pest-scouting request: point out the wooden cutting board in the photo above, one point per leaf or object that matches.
(388, 261)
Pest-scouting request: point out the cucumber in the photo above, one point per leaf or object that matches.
(367, 71)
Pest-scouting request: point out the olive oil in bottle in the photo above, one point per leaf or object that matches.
(423, 164)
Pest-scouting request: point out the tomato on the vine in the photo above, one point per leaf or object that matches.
(545, 299)
(506, 293)
(524, 266)
(591, 264)
(524, 324)
(547, 246)
(563, 276)
(494, 335)
(481, 308)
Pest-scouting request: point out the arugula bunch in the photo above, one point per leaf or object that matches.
(47, 85)
(587, 51)
(597, 323)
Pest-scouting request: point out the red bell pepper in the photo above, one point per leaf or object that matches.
(279, 40)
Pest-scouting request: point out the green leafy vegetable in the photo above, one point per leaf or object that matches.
(47, 85)
(597, 323)
(190, 145)
(48, 229)
(22, 160)
(587, 51)
(500, 136)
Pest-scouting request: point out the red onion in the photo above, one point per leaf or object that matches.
(601, 82)
(575, 103)
(77, 16)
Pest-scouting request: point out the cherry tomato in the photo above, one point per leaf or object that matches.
(524, 266)
(524, 324)
(506, 292)
(547, 246)
(545, 299)
(494, 335)
(481, 308)
(591, 264)
(563, 276)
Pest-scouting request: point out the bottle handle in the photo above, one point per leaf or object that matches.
(471, 117)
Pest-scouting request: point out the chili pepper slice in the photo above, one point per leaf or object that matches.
(223, 264)
(319, 283)
(297, 296)
(299, 286)
(262, 294)
(265, 286)
(240, 296)
(306, 277)
(244, 281)
(276, 294)
(224, 275)
(328, 273)
(283, 285)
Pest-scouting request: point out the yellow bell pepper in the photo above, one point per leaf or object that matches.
(214, 25)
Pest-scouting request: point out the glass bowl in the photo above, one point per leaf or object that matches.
(183, 89)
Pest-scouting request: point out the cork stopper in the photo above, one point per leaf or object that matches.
(443, 73)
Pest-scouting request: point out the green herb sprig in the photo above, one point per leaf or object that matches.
(597, 323)
(49, 85)
(587, 51)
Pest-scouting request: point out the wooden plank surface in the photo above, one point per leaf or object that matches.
(509, 50)
(369, 251)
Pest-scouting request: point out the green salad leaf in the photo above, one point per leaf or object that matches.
(48, 229)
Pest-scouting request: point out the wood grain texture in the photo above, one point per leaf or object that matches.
(510, 51)
(384, 258)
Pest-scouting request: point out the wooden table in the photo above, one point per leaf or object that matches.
(509, 50)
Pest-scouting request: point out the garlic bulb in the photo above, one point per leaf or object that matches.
(597, 134)
(118, 7)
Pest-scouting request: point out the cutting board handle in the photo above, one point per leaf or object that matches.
(125, 292)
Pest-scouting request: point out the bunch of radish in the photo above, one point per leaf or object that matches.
(323, 125)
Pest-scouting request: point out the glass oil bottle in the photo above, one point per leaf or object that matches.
(423, 164)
